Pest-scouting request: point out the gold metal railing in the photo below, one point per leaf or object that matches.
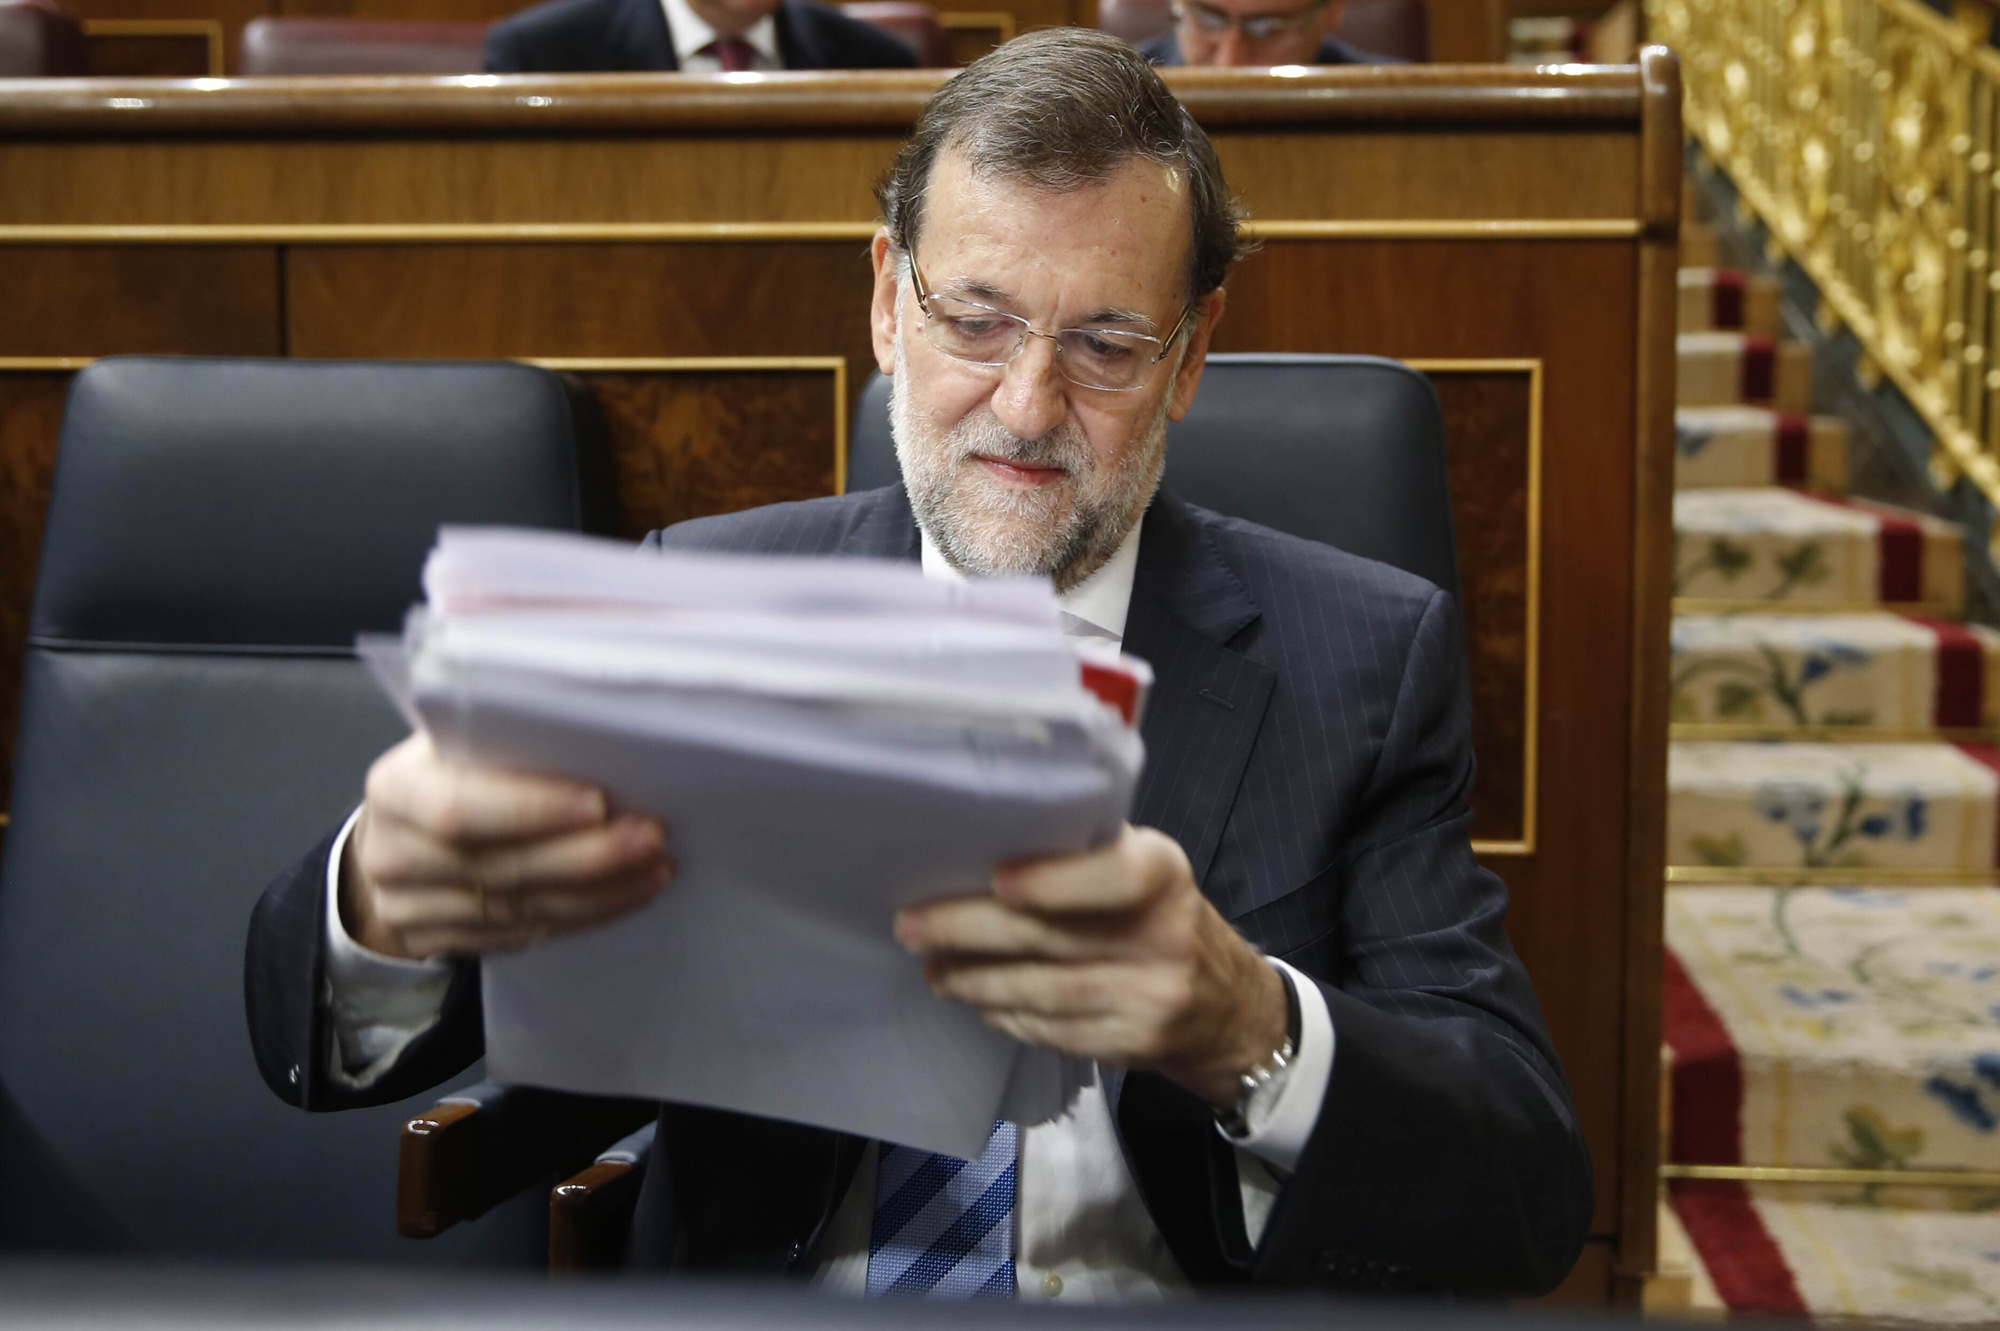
(1865, 134)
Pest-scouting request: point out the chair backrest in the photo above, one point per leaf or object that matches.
(361, 46)
(914, 24)
(1399, 28)
(37, 38)
(192, 721)
(1348, 450)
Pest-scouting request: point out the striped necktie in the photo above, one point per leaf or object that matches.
(944, 1227)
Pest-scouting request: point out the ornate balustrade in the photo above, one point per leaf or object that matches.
(1866, 133)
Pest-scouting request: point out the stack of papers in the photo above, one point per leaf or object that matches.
(826, 741)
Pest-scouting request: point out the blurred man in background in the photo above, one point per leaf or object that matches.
(689, 36)
(1258, 33)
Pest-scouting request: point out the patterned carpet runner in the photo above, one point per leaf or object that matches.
(1833, 925)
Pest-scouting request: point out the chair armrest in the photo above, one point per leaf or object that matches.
(590, 1214)
(480, 1146)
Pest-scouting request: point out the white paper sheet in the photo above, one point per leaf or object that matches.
(803, 809)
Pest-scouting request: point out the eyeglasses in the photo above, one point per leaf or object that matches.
(1255, 27)
(1109, 359)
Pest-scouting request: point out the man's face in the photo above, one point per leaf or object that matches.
(1016, 468)
(1255, 32)
(733, 18)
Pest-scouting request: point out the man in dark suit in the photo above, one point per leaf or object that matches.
(1314, 1060)
(692, 36)
(1257, 33)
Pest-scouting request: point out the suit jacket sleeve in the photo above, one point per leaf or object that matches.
(1447, 1152)
(284, 984)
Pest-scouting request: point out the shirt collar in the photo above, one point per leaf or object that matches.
(691, 32)
(1101, 600)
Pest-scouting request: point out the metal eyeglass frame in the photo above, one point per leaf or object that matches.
(1028, 330)
(1269, 27)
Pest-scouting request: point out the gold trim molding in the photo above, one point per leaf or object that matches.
(1906, 1178)
(208, 29)
(1695, 605)
(980, 20)
(1695, 730)
(1532, 630)
(1713, 875)
(585, 233)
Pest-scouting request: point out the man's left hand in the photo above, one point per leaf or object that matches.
(1114, 955)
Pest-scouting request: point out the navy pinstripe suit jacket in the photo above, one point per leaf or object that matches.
(1308, 745)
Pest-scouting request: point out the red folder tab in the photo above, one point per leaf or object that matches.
(1117, 687)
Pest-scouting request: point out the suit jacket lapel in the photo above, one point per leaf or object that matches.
(1207, 702)
(796, 38)
(640, 34)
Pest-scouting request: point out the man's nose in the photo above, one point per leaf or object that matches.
(1030, 400)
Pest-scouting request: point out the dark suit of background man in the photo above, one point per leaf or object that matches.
(1047, 280)
(1257, 32)
(692, 36)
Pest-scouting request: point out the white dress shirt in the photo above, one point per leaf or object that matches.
(1082, 1230)
(692, 34)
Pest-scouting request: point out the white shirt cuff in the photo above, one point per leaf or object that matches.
(1270, 1150)
(378, 1004)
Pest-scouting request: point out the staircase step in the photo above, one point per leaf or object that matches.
(1756, 446)
(1899, 808)
(1842, 1259)
(1782, 547)
(1717, 369)
(1836, 1028)
(1728, 300)
(1874, 673)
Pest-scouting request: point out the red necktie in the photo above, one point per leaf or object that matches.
(735, 54)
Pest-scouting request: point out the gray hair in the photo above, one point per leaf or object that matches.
(1060, 108)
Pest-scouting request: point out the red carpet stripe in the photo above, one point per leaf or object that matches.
(1899, 546)
(1989, 758)
(1760, 369)
(1961, 674)
(1708, 1075)
(1725, 299)
(1744, 1261)
(1794, 444)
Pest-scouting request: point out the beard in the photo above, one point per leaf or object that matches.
(1062, 529)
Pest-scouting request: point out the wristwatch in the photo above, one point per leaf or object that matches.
(1259, 1088)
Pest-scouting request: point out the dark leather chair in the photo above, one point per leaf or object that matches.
(1399, 28)
(192, 717)
(37, 38)
(360, 46)
(915, 25)
(1348, 450)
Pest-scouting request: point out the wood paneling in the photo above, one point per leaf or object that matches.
(101, 300)
(1435, 214)
(187, 53)
(579, 300)
(685, 445)
(1488, 420)
(30, 417)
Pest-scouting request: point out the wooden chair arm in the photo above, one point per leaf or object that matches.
(475, 1149)
(590, 1213)
(435, 1167)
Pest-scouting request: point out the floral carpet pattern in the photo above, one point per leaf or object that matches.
(1833, 920)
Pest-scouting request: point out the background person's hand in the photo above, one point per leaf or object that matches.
(1113, 955)
(464, 859)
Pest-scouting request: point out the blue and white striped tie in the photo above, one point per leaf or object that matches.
(944, 1227)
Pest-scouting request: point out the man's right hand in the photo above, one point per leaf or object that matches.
(449, 859)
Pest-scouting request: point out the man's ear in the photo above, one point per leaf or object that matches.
(882, 309)
(1188, 377)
